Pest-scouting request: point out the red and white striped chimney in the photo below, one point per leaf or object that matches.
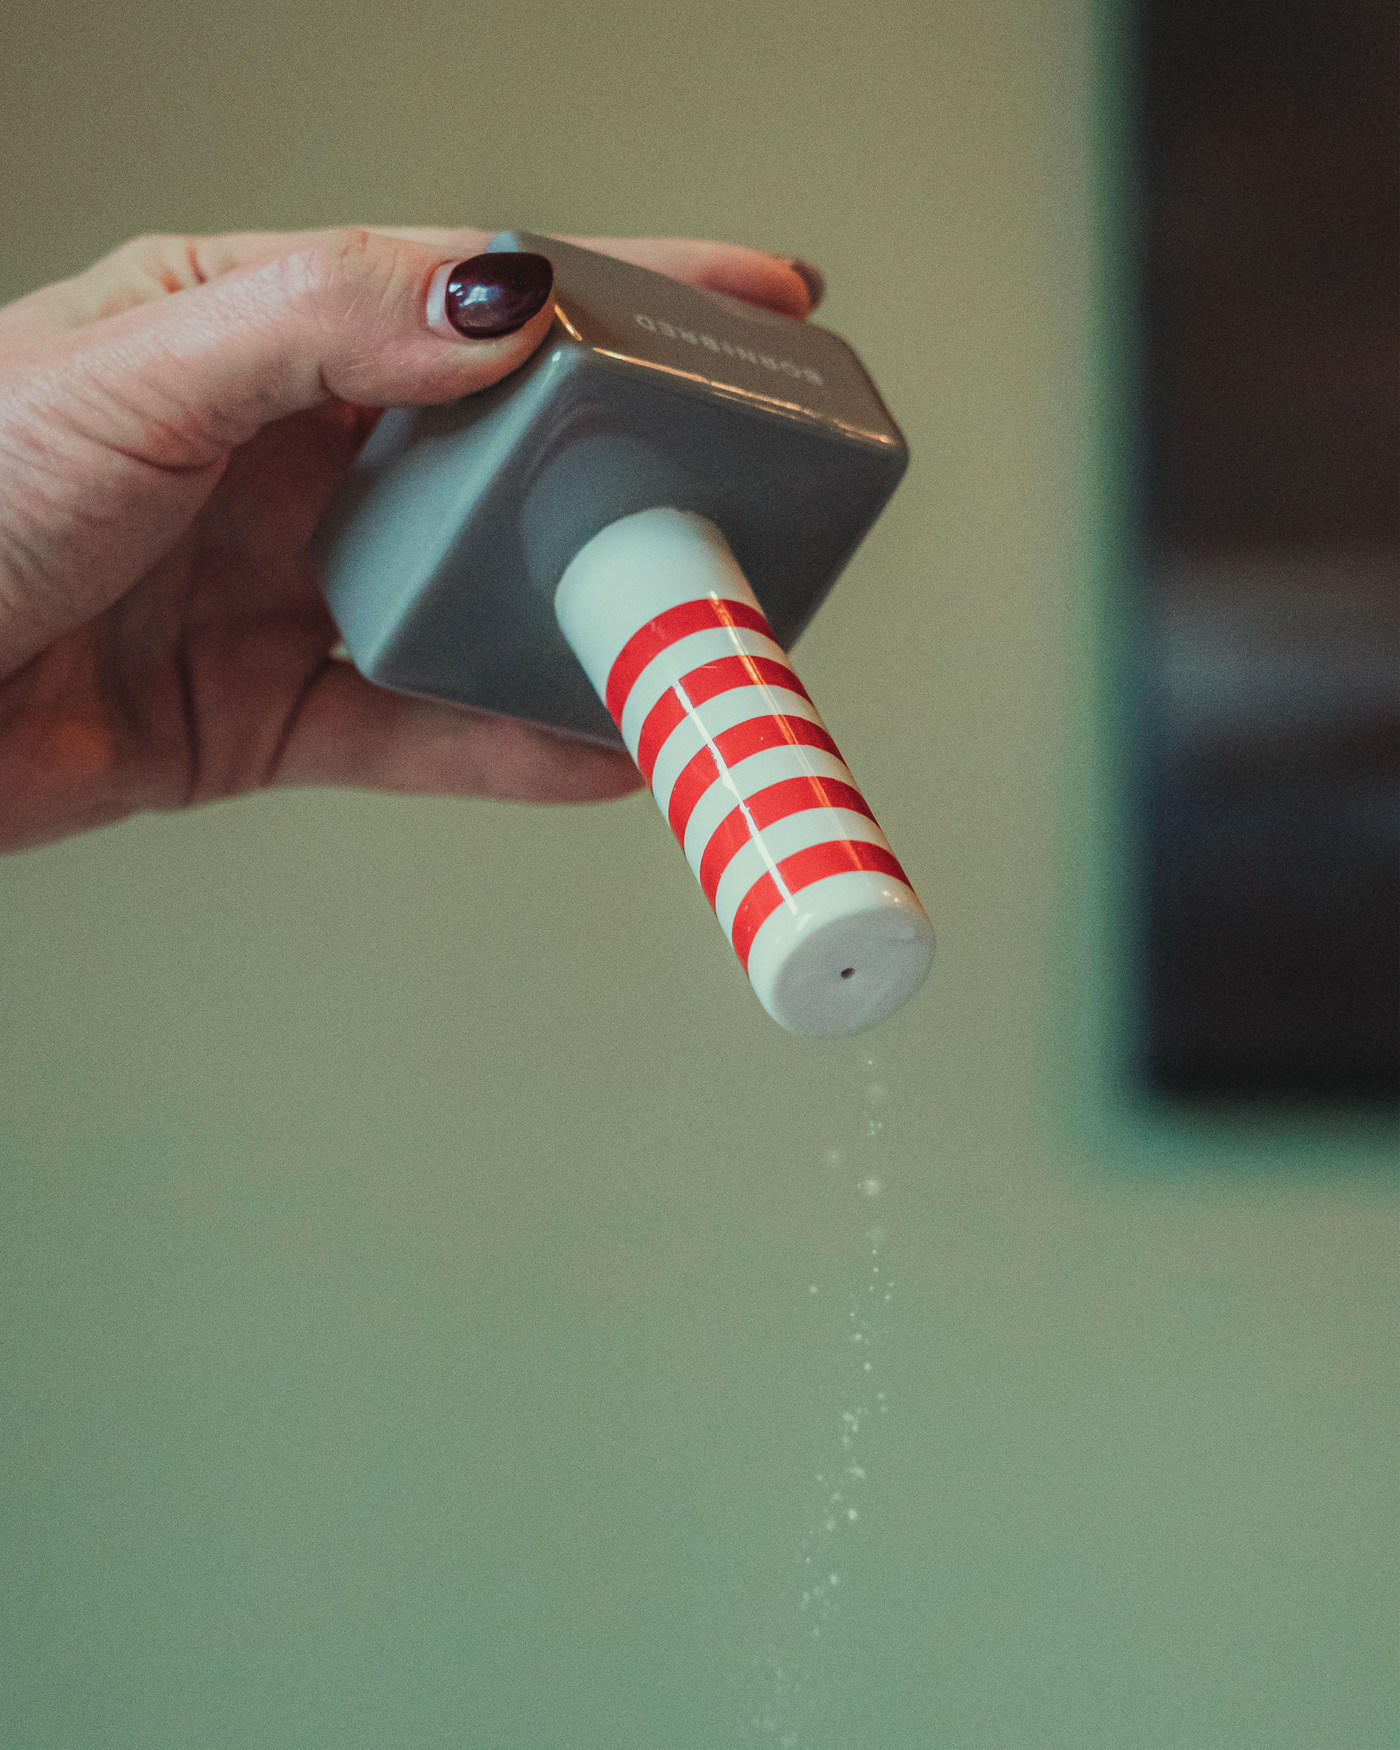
(823, 918)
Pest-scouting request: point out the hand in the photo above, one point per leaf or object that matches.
(172, 424)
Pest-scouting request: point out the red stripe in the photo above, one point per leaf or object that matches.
(663, 717)
(728, 672)
(665, 629)
(705, 682)
(774, 802)
(802, 869)
(733, 745)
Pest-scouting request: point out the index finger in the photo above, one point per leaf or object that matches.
(783, 283)
(148, 268)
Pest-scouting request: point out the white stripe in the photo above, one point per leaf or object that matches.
(677, 660)
(814, 826)
(724, 711)
(634, 570)
(746, 779)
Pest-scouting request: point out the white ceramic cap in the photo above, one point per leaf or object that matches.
(803, 882)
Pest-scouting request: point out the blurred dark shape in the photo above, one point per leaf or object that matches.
(1272, 577)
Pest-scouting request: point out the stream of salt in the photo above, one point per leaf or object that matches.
(791, 1666)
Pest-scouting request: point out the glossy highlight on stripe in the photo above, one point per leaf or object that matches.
(731, 746)
(701, 685)
(662, 632)
(765, 808)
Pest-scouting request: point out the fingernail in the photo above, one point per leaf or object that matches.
(488, 296)
(811, 277)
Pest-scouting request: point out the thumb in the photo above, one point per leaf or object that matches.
(350, 315)
(116, 434)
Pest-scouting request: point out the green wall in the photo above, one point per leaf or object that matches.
(410, 1222)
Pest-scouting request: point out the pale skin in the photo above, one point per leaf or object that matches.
(172, 424)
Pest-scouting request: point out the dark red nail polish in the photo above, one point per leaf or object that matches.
(811, 277)
(493, 295)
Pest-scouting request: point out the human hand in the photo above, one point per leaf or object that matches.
(173, 422)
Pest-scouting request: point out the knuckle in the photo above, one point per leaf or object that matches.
(334, 262)
(358, 260)
(351, 244)
(165, 260)
(358, 274)
(139, 271)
